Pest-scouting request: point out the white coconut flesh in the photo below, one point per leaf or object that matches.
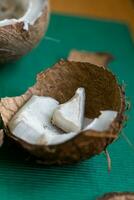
(70, 115)
(43, 121)
(26, 11)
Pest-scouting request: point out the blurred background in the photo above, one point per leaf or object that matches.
(21, 179)
(119, 10)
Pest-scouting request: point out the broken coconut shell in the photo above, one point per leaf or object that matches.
(22, 25)
(60, 82)
(118, 196)
(100, 58)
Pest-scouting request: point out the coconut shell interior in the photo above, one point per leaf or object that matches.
(61, 82)
(102, 90)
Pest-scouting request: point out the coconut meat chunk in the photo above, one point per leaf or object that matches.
(103, 122)
(32, 123)
(70, 115)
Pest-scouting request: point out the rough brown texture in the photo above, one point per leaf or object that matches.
(61, 82)
(16, 42)
(118, 196)
(100, 58)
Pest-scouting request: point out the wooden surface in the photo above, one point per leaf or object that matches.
(119, 10)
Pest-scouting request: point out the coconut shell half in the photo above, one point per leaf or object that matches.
(17, 36)
(60, 82)
(118, 196)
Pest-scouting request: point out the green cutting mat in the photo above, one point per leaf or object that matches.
(20, 180)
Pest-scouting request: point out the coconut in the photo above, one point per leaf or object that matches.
(118, 196)
(22, 25)
(60, 82)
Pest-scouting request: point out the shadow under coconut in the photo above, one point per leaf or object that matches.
(25, 176)
(10, 152)
(10, 66)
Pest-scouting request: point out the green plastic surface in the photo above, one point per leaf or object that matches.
(23, 180)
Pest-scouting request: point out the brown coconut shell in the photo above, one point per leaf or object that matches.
(15, 41)
(100, 58)
(61, 82)
(118, 196)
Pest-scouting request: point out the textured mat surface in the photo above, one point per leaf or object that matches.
(23, 180)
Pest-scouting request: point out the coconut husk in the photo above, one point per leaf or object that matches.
(60, 82)
(100, 58)
(15, 41)
(118, 196)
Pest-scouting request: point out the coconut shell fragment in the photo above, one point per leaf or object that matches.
(100, 58)
(18, 37)
(60, 82)
(118, 196)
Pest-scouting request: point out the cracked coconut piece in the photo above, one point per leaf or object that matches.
(100, 58)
